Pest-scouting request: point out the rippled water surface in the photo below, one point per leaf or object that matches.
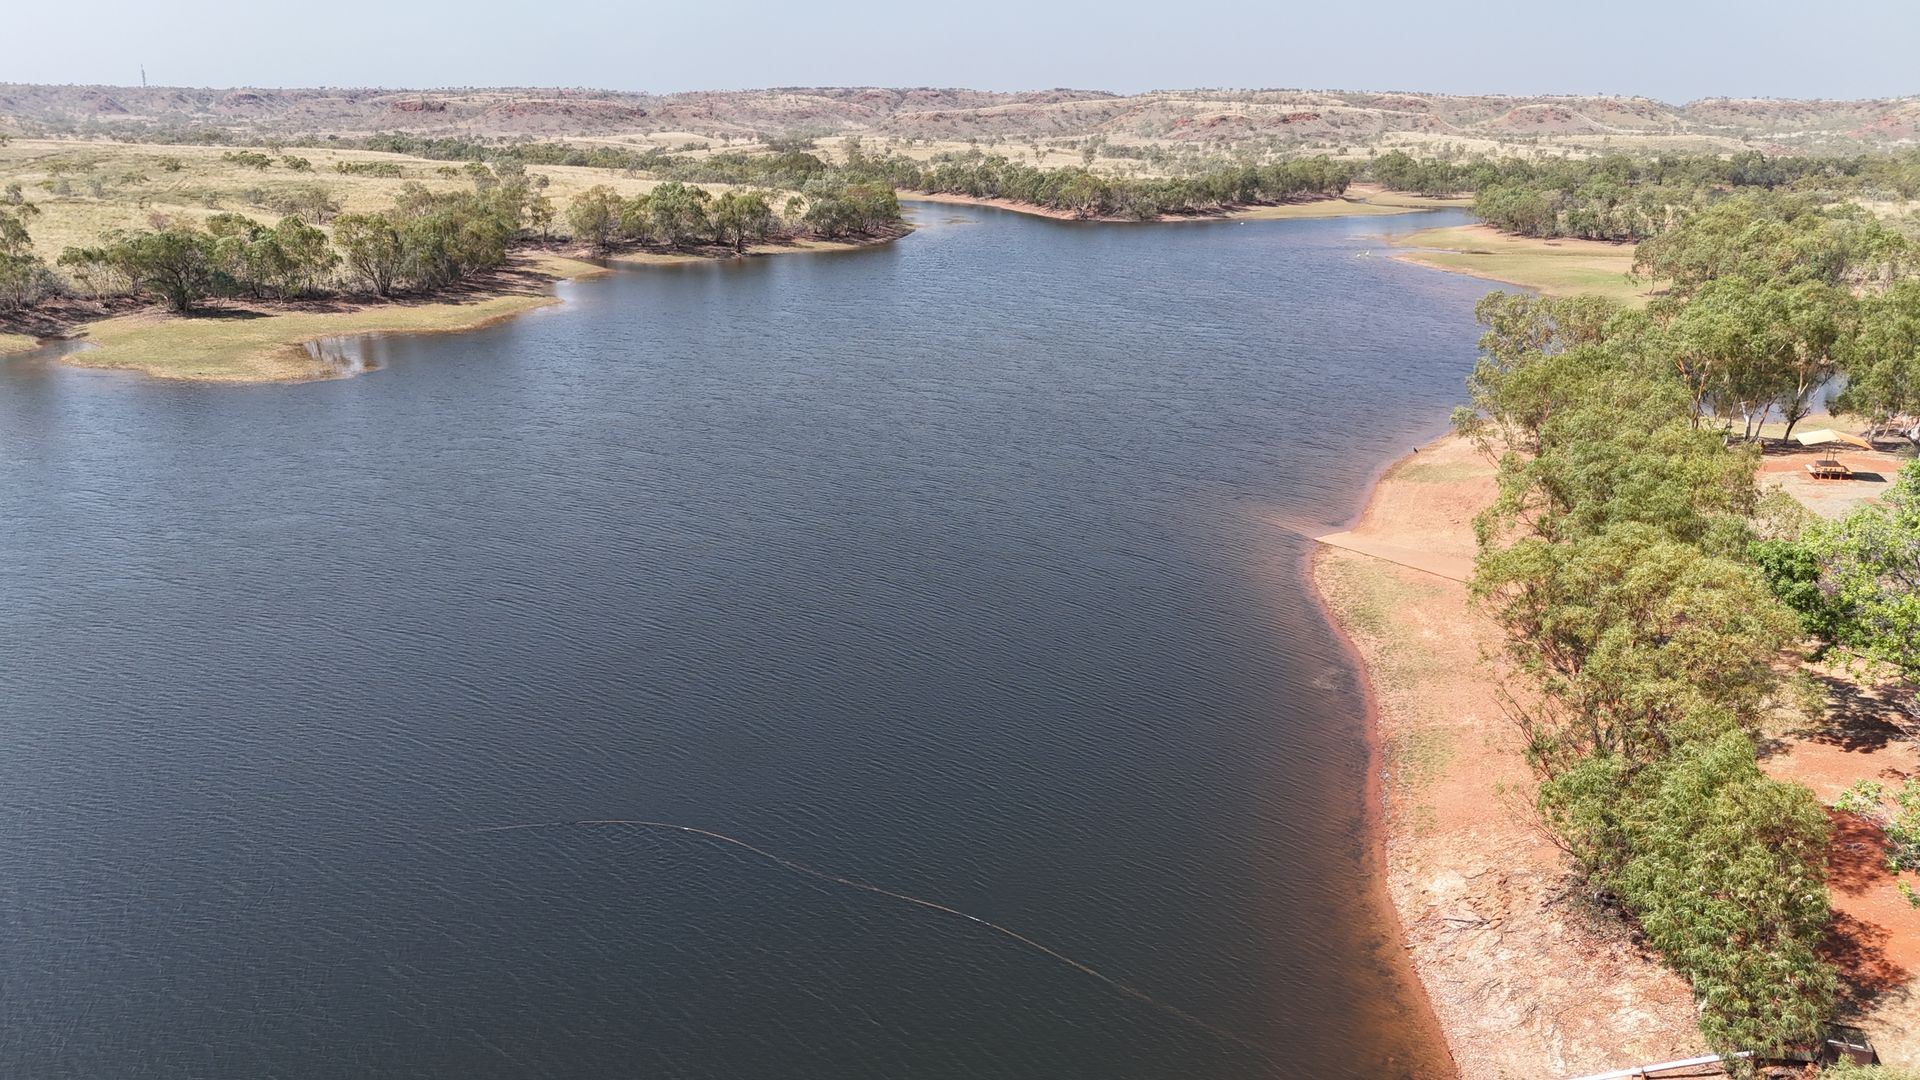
(969, 567)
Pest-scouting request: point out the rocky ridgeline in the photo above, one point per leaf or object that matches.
(1170, 116)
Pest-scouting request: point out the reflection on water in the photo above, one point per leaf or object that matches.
(49, 350)
(339, 357)
(945, 567)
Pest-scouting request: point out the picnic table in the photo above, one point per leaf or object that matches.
(1829, 469)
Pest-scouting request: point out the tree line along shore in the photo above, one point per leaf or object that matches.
(1657, 607)
(364, 241)
(456, 211)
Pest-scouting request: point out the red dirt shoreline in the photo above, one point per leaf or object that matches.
(1375, 794)
(1521, 979)
(1520, 982)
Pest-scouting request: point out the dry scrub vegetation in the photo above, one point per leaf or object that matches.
(84, 189)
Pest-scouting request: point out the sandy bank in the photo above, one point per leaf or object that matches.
(1029, 209)
(1360, 201)
(1523, 983)
(799, 246)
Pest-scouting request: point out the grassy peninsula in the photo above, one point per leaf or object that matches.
(196, 262)
(1557, 267)
(241, 342)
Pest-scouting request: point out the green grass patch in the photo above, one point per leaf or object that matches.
(1454, 472)
(1554, 267)
(1373, 594)
(1358, 597)
(237, 345)
(1371, 599)
(1419, 202)
(1417, 759)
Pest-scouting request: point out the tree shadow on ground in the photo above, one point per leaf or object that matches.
(1858, 949)
(1856, 854)
(1858, 719)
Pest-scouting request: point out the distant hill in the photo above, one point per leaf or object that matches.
(1309, 118)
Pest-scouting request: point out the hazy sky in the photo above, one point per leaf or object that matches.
(1675, 50)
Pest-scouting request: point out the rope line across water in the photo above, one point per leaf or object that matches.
(1123, 987)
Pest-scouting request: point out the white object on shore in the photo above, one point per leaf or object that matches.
(1827, 435)
(1639, 1071)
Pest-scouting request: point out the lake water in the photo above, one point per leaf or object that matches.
(970, 567)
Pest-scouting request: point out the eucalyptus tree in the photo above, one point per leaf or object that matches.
(1723, 871)
(1882, 361)
(540, 213)
(175, 263)
(1523, 377)
(1870, 571)
(741, 218)
(1779, 239)
(371, 246)
(14, 238)
(284, 260)
(1750, 347)
(594, 217)
(677, 214)
(24, 277)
